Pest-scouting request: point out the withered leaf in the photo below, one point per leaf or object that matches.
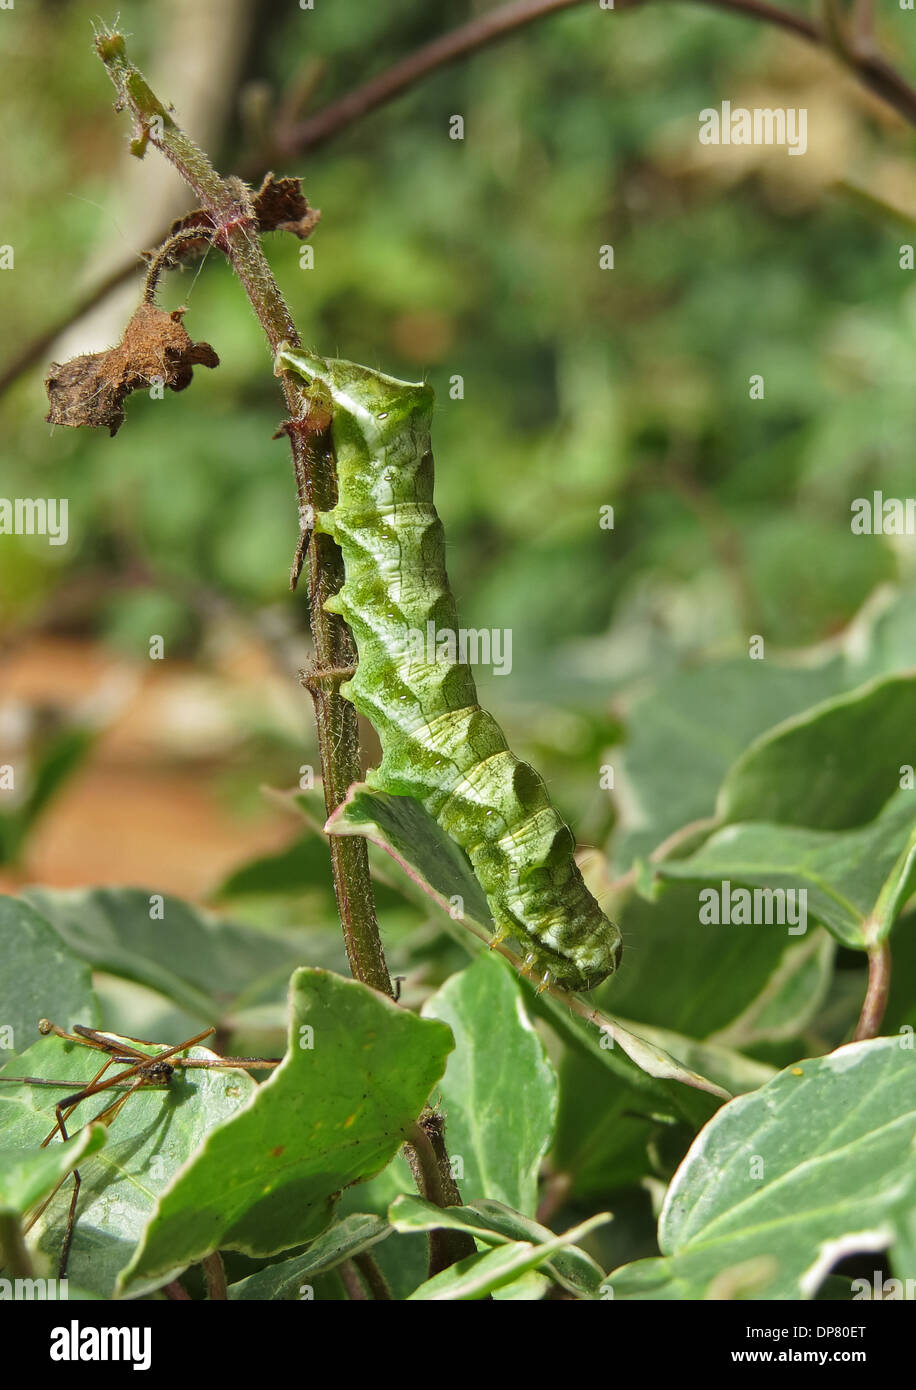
(91, 389)
(278, 206)
(281, 206)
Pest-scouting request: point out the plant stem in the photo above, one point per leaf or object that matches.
(215, 1275)
(429, 1163)
(356, 1289)
(373, 1276)
(876, 993)
(228, 203)
(14, 1254)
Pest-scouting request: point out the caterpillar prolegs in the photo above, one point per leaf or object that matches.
(438, 745)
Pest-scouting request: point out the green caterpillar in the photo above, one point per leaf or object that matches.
(438, 745)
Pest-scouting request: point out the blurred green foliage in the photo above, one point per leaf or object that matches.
(583, 387)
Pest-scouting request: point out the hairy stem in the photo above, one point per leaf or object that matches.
(429, 1163)
(228, 202)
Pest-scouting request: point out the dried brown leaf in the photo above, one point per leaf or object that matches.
(91, 389)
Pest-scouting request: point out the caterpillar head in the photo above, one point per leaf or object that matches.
(380, 406)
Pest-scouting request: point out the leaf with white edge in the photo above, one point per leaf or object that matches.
(810, 769)
(28, 1175)
(343, 1240)
(154, 1133)
(482, 1274)
(499, 1090)
(854, 881)
(784, 1183)
(358, 1071)
(494, 1224)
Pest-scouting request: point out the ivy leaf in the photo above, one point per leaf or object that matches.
(494, 1224)
(499, 1090)
(856, 881)
(485, 1273)
(785, 1182)
(683, 737)
(192, 957)
(29, 1174)
(41, 976)
(357, 1073)
(809, 770)
(284, 1280)
(154, 1133)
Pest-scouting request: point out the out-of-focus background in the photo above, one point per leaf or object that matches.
(583, 387)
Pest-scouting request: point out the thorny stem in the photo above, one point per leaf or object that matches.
(876, 992)
(228, 203)
(163, 258)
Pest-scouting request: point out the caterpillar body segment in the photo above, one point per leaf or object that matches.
(438, 745)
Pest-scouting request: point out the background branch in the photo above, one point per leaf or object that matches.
(861, 58)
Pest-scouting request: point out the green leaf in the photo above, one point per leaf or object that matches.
(404, 829)
(304, 866)
(28, 1175)
(192, 957)
(41, 977)
(480, 1275)
(810, 770)
(791, 999)
(499, 1090)
(155, 1132)
(683, 737)
(856, 881)
(495, 1224)
(357, 1073)
(711, 976)
(339, 1242)
(785, 1182)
